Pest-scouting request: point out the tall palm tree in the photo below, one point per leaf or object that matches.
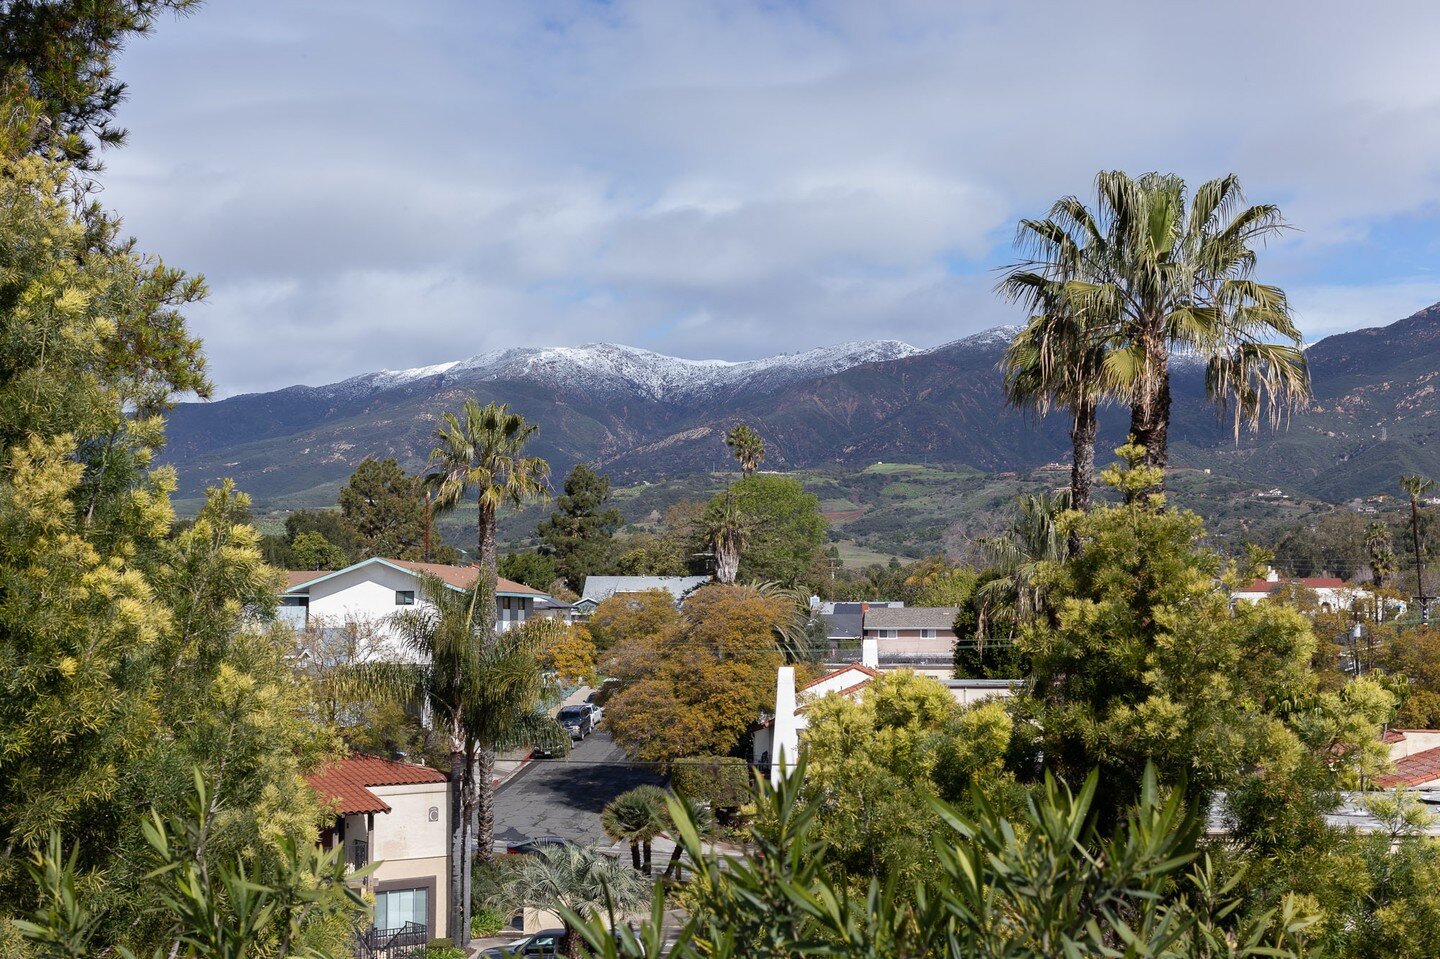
(1058, 359)
(482, 451)
(484, 696)
(1381, 551)
(747, 446)
(580, 879)
(637, 817)
(1416, 487)
(727, 534)
(1162, 270)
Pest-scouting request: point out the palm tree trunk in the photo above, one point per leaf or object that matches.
(1082, 463)
(1150, 413)
(647, 856)
(485, 806)
(1419, 571)
(727, 564)
(672, 868)
(635, 854)
(570, 943)
(489, 570)
(458, 823)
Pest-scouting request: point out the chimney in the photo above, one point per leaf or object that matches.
(785, 742)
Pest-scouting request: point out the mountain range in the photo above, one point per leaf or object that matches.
(638, 414)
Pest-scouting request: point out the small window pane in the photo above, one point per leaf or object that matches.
(404, 597)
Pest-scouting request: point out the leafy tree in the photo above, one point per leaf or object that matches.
(328, 524)
(636, 816)
(564, 649)
(385, 510)
(695, 687)
(532, 569)
(1144, 662)
(937, 582)
(782, 529)
(1415, 655)
(484, 453)
(1155, 268)
(313, 551)
(579, 882)
(747, 446)
(578, 534)
(645, 618)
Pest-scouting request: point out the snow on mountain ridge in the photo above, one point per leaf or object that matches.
(608, 368)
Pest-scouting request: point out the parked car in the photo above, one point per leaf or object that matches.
(526, 847)
(577, 720)
(597, 712)
(543, 943)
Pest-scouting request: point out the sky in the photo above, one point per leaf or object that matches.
(380, 185)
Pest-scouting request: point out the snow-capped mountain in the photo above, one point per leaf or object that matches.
(607, 369)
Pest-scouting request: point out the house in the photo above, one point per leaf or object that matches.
(842, 620)
(916, 637)
(397, 815)
(375, 589)
(597, 589)
(1333, 593)
(778, 736)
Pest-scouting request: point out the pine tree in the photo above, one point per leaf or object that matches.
(578, 534)
(384, 507)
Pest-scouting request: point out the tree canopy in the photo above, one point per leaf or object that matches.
(577, 535)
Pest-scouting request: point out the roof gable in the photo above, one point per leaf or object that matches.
(344, 782)
(456, 577)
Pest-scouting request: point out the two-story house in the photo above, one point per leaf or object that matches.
(375, 589)
(397, 815)
(918, 637)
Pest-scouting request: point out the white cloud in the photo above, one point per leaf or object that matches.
(372, 184)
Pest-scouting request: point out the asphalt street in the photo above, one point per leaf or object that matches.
(564, 797)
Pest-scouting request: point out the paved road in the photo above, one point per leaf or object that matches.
(563, 797)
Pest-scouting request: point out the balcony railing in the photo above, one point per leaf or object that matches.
(357, 854)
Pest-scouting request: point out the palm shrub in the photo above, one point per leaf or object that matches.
(580, 883)
(637, 817)
(1047, 883)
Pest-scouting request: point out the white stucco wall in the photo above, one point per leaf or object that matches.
(406, 832)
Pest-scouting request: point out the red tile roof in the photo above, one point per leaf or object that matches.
(1392, 736)
(343, 782)
(1417, 769)
(1309, 582)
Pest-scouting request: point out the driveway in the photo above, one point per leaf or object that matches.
(563, 797)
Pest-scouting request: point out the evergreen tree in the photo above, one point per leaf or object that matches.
(313, 551)
(578, 534)
(532, 569)
(385, 510)
(783, 531)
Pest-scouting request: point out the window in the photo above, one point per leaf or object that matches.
(404, 597)
(887, 633)
(301, 601)
(927, 634)
(395, 908)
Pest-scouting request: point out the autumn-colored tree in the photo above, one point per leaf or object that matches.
(694, 687)
(645, 617)
(564, 649)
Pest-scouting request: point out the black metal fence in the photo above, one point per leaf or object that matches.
(407, 942)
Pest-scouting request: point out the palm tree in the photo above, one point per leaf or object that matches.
(1015, 597)
(697, 814)
(747, 446)
(1381, 550)
(1416, 487)
(727, 534)
(579, 879)
(483, 453)
(1058, 359)
(637, 816)
(1159, 270)
(485, 696)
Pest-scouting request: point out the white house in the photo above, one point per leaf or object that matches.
(375, 589)
(776, 742)
(597, 589)
(397, 815)
(1333, 593)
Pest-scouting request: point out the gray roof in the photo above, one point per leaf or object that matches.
(600, 588)
(912, 617)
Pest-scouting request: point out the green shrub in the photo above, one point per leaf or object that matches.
(723, 782)
(443, 949)
(486, 922)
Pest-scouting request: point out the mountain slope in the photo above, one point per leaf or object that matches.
(1375, 414)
